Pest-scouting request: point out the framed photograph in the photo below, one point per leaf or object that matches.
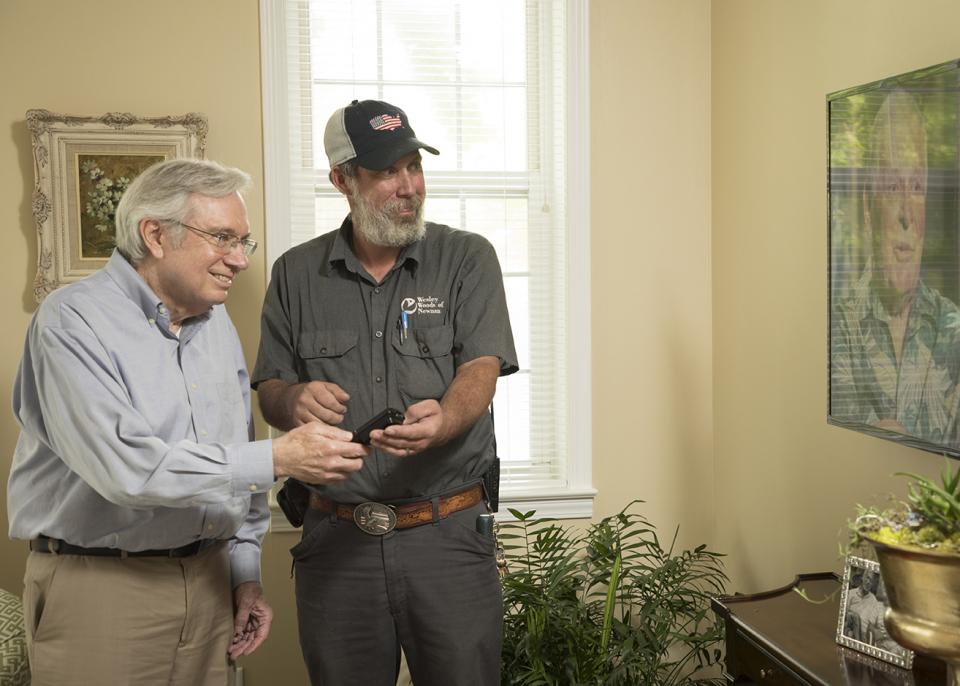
(894, 245)
(81, 167)
(863, 602)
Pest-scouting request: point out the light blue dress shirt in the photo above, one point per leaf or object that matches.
(132, 437)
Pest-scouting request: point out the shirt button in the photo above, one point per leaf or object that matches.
(379, 334)
(376, 290)
(379, 379)
(425, 349)
(323, 351)
(253, 488)
(209, 527)
(151, 321)
(193, 386)
(203, 432)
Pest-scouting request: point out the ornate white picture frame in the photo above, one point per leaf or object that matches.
(81, 167)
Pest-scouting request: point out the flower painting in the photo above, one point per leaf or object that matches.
(101, 181)
(82, 164)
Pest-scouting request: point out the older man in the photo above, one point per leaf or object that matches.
(389, 311)
(134, 479)
(896, 340)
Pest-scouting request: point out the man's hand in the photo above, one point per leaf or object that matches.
(289, 405)
(252, 617)
(323, 400)
(317, 454)
(430, 423)
(420, 430)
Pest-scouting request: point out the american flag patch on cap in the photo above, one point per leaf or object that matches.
(386, 122)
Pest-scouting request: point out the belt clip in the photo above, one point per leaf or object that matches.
(53, 545)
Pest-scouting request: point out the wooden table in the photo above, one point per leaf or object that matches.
(781, 638)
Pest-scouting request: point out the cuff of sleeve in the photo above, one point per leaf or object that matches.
(507, 366)
(244, 563)
(253, 469)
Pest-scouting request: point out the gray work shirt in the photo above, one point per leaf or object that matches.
(130, 436)
(325, 318)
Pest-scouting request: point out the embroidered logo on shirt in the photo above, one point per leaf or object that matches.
(424, 304)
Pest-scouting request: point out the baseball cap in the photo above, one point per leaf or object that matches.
(373, 133)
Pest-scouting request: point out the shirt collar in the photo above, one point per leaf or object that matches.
(342, 252)
(924, 305)
(135, 287)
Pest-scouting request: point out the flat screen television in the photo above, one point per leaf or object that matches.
(893, 164)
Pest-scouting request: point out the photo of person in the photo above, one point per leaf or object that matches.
(895, 324)
(862, 608)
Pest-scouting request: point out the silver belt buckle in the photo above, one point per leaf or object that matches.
(374, 518)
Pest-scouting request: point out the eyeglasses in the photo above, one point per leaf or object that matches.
(225, 242)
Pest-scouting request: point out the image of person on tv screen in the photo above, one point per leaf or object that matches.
(895, 346)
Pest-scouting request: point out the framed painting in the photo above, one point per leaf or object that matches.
(863, 602)
(894, 243)
(81, 167)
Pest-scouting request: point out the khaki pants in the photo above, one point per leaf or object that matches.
(111, 621)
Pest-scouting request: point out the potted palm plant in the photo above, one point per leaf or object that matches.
(917, 543)
(610, 605)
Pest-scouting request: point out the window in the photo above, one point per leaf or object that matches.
(499, 88)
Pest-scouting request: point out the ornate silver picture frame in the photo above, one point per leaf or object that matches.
(862, 606)
(82, 164)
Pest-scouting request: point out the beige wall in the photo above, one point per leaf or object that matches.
(787, 482)
(650, 196)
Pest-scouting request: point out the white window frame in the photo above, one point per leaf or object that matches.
(575, 500)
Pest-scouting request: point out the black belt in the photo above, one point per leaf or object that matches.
(44, 544)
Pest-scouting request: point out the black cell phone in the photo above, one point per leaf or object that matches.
(388, 417)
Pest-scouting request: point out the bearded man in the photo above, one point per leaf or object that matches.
(389, 311)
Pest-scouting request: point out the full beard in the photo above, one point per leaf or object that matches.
(382, 226)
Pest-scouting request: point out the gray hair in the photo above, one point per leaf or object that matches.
(163, 193)
(898, 136)
(348, 168)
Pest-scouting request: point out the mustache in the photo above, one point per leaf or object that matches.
(413, 203)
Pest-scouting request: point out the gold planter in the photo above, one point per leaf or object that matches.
(923, 589)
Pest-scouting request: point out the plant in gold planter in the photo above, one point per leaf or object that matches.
(918, 547)
(929, 520)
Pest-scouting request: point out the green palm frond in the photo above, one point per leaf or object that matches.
(608, 606)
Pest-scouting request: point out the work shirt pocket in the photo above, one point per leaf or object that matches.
(425, 363)
(323, 354)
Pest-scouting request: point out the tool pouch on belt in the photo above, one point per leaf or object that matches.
(293, 498)
(491, 484)
(491, 477)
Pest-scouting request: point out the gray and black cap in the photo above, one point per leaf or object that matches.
(375, 134)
